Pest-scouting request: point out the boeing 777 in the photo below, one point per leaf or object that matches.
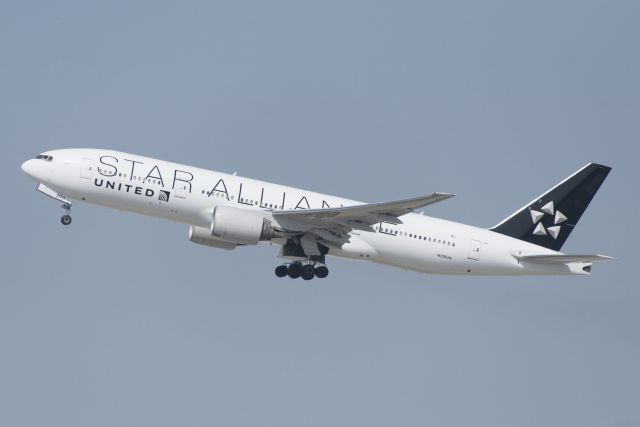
(226, 211)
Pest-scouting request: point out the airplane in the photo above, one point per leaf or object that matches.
(226, 211)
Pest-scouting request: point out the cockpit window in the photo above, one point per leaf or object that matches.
(44, 157)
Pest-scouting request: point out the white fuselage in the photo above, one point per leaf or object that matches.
(421, 243)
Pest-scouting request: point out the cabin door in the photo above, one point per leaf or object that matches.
(87, 168)
(474, 250)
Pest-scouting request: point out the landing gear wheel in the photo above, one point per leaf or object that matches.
(294, 270)
(322, 272)
(65, 220)
(308, 272)
(281, 271)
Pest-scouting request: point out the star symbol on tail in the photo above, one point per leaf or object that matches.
(558, 218)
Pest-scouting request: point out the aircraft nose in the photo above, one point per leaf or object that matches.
(28, 167)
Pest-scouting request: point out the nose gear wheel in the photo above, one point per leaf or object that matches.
(66, 218)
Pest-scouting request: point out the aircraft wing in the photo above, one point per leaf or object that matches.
(561, 258)
(366, 214)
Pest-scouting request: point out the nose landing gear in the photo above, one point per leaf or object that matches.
(306, 271)
(66, 201)
(66, 218)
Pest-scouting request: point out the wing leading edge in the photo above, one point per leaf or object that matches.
(368, 213)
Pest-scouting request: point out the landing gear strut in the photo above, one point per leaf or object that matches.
(306, 271)
(66, 218)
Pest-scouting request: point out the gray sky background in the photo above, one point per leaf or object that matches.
(119, 320)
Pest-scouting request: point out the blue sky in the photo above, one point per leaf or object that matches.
(119, 320)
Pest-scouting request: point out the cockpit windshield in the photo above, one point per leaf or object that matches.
(44, 157)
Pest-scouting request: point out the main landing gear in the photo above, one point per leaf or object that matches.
(66, 218)
(306, 271)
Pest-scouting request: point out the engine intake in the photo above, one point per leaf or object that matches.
(240, 226)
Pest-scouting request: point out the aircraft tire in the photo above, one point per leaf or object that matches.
(281, 271)
(308, 272)
(322, 272)
(65, 220)
(294, 270)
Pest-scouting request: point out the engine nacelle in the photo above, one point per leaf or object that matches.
(202, 236)
(240, 226)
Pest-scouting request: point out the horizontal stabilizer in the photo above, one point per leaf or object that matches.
(561, 259)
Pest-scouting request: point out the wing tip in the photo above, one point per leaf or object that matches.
(443, 195)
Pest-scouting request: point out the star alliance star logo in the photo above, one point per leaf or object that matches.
(163, 196)
(558, 218)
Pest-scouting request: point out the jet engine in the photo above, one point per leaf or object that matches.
(240, 226)
(202, 236)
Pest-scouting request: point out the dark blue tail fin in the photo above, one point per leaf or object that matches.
(549, 220)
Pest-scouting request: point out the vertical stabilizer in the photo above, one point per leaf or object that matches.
(549, 219)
